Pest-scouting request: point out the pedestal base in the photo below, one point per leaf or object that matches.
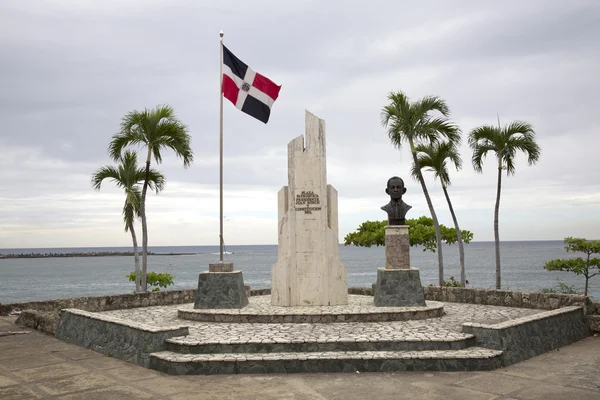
(398, 288)
(221, 290)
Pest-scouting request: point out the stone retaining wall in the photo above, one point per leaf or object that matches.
(42, 321)
(530, 336)
(113, 337)
(48, 310)
(105, 303)
(509, 298)
(492, 297)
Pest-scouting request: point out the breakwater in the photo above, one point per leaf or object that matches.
(86, 254)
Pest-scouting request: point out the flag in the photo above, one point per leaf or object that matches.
(248, 90)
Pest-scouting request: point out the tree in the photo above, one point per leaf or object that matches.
(434, 157)
(155, 129)
(412, 123)
(421, 232)
(128, 176)
(578, 265)
(505, 142)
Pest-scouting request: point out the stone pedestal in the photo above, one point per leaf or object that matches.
(308, 270)
(398, 288)
(221, 287)
(397, 247)
(397, 284)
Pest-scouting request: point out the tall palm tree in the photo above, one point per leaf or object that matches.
(128, 176)
(505, 142)
(413, 123)
(435, 157)
(155, 129)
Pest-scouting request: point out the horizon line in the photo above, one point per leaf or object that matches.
(239, 245)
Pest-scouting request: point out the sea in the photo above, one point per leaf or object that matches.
(29, 279)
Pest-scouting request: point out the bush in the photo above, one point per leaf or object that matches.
(157, 279)
(562, 288)
(452, 283)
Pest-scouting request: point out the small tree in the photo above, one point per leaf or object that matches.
(505, 142)
(579, 265)
(421, 233)
(156, 129)
(127, 175)
(435, 157)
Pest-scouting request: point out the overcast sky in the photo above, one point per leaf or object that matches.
(70, 69)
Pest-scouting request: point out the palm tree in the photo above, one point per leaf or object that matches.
(412, 123)
(505, 142)
(128, 176)
(155, 129)
(435, 157)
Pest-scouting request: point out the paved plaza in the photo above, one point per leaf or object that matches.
(446, 328)
(38, 366)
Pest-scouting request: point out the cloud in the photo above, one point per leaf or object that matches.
(71, 69)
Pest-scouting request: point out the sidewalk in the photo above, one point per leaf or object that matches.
(38, 366)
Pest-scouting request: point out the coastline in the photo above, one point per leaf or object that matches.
(86, 254)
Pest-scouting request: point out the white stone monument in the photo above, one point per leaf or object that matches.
(308, 271)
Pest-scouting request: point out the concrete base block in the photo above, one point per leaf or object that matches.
(398, 288)
(221, 290)
(221, 267)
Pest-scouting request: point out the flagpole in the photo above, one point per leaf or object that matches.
(221, 149)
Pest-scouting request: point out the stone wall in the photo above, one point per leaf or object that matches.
(122, 340)
(105, 303)
(508, 298)
(594, 322)
(493, 297)
(42, 321)
(529, 336)
(48, 310)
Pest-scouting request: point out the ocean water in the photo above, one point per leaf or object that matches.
(52, 278)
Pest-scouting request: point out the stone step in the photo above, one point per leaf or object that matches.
(471, 359)
(191, 345)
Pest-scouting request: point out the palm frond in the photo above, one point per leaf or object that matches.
(106, 172)
(122, 140)
(433, 129)
(406, 121)
(520, 136)
(482, 140)
(395, 118)
(505, 142)
(434, 157)
(422, 108)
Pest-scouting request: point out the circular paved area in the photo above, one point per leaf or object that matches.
(359, 309)
(446, 328)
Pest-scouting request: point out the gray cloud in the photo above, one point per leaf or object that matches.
(69, 70)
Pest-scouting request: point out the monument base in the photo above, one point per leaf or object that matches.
(221, 289)
(398, 288)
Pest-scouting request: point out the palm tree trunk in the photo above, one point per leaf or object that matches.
(496, 234)
(587, 278)
(461, 247)
(145, 224)
(137, 258)
(436, 224)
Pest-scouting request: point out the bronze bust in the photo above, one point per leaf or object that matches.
(396, 208)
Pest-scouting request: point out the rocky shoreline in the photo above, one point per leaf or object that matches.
(86, 254)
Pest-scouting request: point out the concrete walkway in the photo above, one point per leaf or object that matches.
(38, 366)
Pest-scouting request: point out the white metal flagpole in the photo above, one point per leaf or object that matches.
(221, 149)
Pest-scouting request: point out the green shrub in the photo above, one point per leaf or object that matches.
(157, 279)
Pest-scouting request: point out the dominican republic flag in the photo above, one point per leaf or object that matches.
(248, 90)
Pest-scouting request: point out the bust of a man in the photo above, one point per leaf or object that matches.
(396, 208)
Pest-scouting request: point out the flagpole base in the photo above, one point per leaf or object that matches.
(221, 289)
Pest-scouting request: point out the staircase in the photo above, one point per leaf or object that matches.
(339, 347)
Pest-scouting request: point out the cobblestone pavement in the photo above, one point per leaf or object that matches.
(38, 366)
(474, 352)
(446, 328)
